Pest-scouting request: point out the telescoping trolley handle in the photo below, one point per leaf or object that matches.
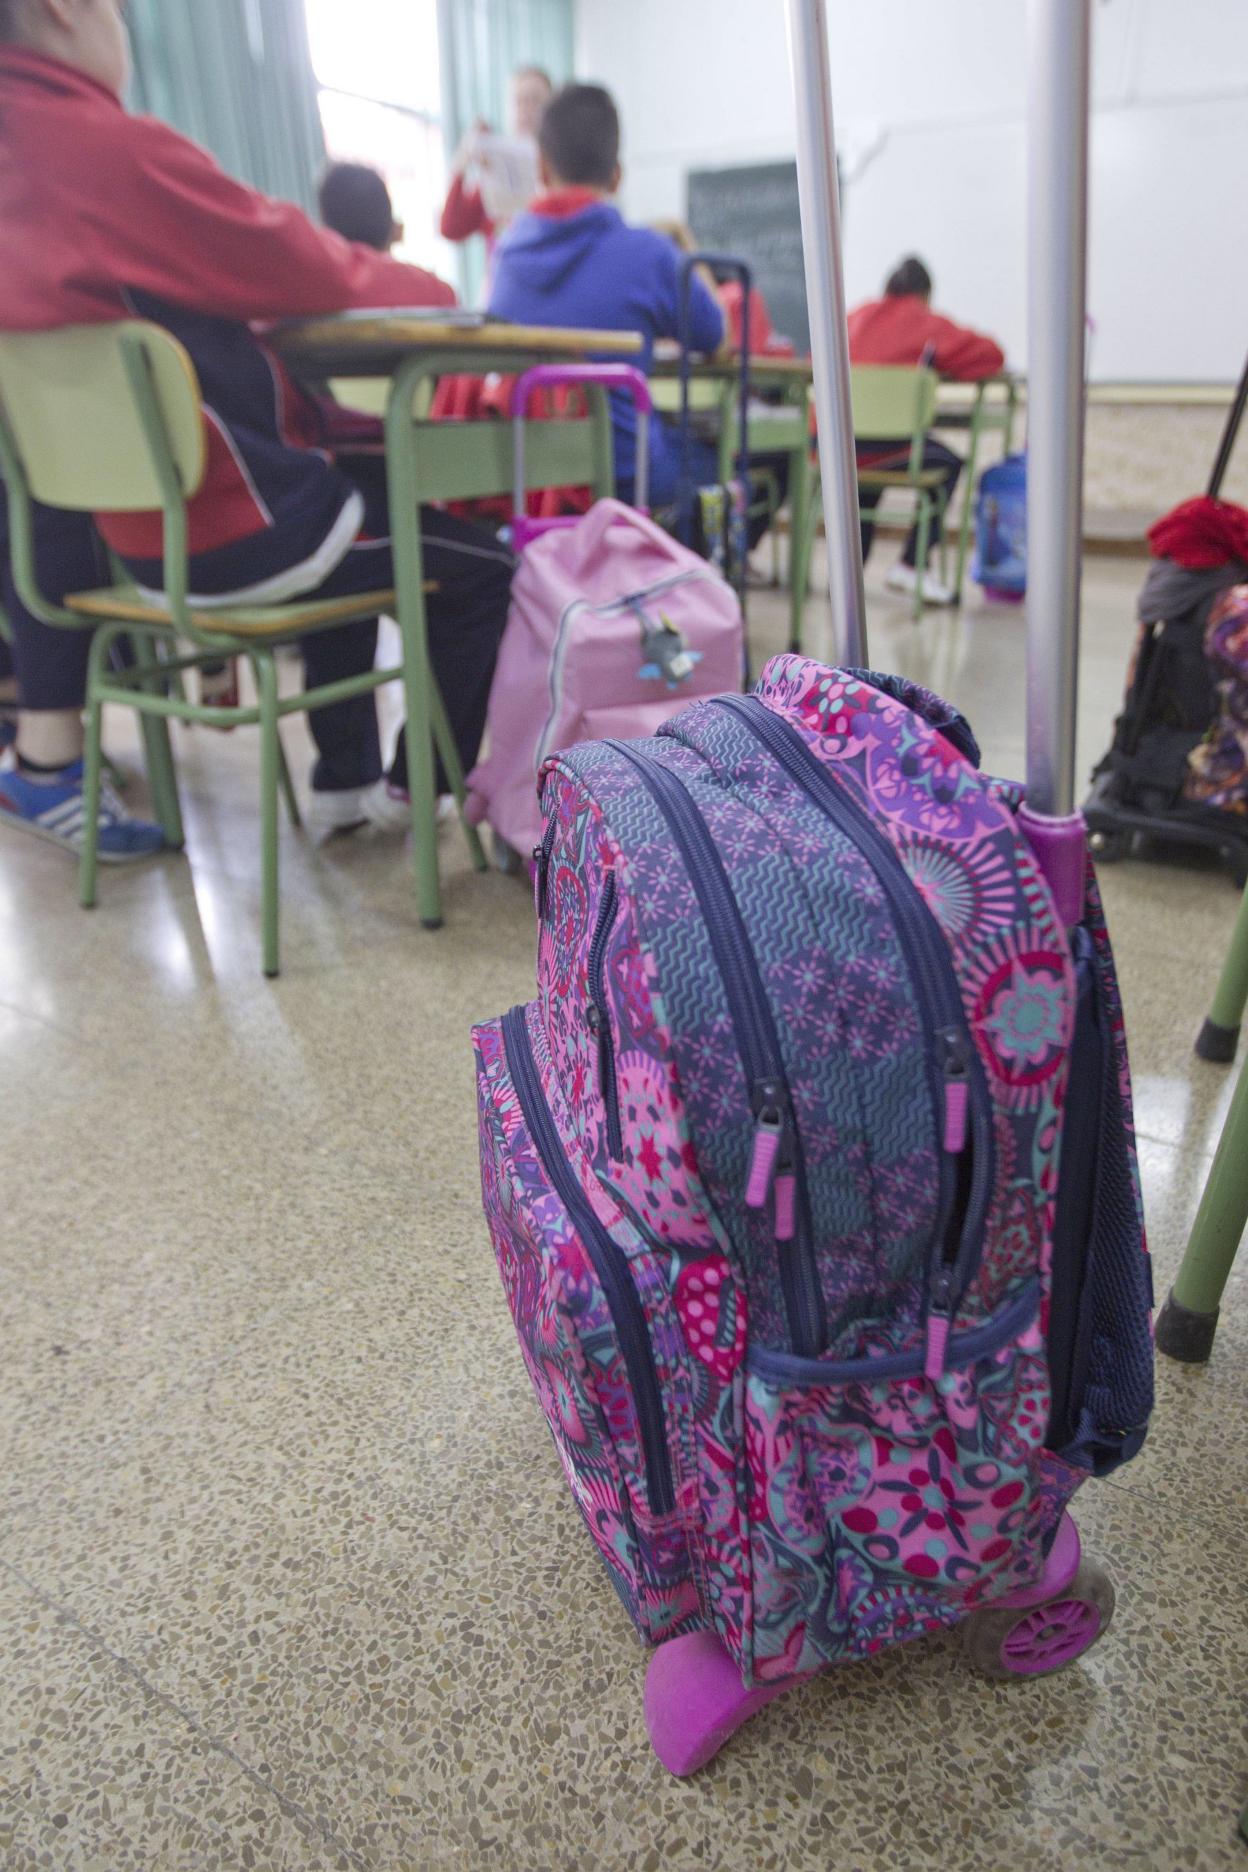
(1058, 62)
(601, 376)
(1227, 444)
(1058, 39)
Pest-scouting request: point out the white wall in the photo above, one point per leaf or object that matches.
(930, 119)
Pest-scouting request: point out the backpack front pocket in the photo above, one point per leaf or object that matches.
(584, 1334)
(883, 1504)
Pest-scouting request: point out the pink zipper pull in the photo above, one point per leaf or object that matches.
(937, 1343)
(767, 1133)
(786, 1202)
(957, 1105)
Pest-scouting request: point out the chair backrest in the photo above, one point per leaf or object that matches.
(79, 405)
(892, 402)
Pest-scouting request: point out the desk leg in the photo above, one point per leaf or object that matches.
(968, 495)
(801, 527)
(409, 580)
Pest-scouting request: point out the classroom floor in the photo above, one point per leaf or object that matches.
(289, 1574)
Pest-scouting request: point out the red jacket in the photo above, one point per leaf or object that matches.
(898, 329)
(463, 213)
(1201, 533)
(104, 216)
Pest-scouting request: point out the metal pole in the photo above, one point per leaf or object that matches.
(1058, 49)
(829, 341)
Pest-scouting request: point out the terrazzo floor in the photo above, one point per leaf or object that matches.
(289, 1576)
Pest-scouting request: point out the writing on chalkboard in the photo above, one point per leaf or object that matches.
(755, 212)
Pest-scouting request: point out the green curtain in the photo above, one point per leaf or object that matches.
(481, 44)
(236, 75)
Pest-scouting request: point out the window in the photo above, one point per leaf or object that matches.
(377, 65)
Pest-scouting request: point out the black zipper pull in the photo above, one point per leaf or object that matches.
(541, 862)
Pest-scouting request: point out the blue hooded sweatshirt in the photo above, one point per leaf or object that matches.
(590, 269)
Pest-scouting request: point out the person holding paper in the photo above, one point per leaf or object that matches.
(493, 176)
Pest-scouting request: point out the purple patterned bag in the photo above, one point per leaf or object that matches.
(771, 1167)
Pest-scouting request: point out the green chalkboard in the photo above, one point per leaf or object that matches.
(754, 212)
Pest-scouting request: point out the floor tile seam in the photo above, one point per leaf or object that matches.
(292, 1809)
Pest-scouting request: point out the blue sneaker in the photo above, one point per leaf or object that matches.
(54, 810)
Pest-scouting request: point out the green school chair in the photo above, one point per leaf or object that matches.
(1188, 1321)
(108, 418)
(894, 403)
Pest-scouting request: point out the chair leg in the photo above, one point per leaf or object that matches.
(161, 773)
(288, 787)
(1220, 1034)
(404, 497)
(444, 741)
(803, 510)
(270, 761)
(925, 531)
(283, 771)
(1188, 1321)
(92, 764)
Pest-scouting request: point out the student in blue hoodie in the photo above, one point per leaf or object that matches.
(571, 259)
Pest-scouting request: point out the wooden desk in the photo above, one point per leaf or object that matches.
(430, 461)
(377, 344)
(775, 429)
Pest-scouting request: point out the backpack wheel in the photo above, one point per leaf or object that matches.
(1035, 1641)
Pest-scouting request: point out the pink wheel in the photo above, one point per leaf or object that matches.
(1033, 1641)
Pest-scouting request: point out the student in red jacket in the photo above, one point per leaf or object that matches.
(901, 328)
(106, 216)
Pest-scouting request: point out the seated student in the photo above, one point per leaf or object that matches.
(571, 259)
(132, 219)
(901, 328)
(355, 202)
(44, 694)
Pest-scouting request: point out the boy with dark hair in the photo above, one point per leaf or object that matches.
(132, 220)
(901, 328)
(355, 203)
(571, 259)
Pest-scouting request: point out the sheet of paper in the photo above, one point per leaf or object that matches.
(507, 168)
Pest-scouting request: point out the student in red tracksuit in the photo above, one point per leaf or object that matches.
(901, 328)
(106, 216)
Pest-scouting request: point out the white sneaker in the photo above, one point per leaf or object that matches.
(904, 578)
(382, 804)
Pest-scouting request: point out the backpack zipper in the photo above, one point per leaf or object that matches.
(960, 1096)
(965, 1349)
(541, 862)
(776, 1162)
(598, 1016)
(609, 1260)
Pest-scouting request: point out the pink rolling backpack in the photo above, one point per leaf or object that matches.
(810, 1166)
(613, 628)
